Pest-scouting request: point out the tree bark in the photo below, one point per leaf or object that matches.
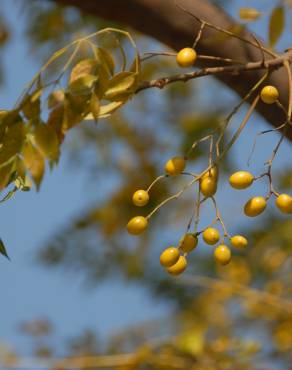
(164, 21)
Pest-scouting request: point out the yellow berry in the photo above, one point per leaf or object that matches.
(208, 186)
(169, 256)
(238, 241)
(211, 236)
(140, 198)
(255, 206)
(269, 94)
(188, 242)
(241, 179)
(175, 166)
(222, 254)
(186, 57)
(213, 172)
(284, 203)
(137, 225)
(178, 267)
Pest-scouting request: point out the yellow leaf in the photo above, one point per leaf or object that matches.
(276, 25)
(84, 68)
(31, 106)
(55, 121)
(94, 106)
(249, 14)
(5, 173)
(106, 60)
(122, 83)
(106, 110)
(46, 140)
(34, 162)
(76, 107)
(82, 85)
(11, 142)
(56, 98)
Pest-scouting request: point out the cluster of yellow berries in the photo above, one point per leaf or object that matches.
(256, 205)
(174, 259)
(138, 224)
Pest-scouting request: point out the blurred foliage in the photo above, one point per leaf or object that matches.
(4, 38)
(236, 317)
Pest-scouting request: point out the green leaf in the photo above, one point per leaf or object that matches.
(121, 84)
(276, 25)
(84, 68)
(82, 85)
(3, 249)
(46, 140)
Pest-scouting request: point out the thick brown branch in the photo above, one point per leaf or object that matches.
(234, 70)
(163, 20)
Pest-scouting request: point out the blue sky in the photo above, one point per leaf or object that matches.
(28, 291)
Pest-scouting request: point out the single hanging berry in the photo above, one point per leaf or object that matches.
(137, 225)
(186, 57)
(178, 267)
(140, 198)
(175, 166)
(169, 256)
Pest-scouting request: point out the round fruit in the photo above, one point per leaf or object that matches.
(284, 203)
(211, 236)
(186, 57)
(178, 267)
(255, 206)
(269, 94)
(213, 172)
(169, 256)
(137, 225)
(175, 166)
(238, 241)
(188, 242)
(241, 179)
(140, 198)
(222, 254)
(208, 186)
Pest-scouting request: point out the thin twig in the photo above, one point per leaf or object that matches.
(226, 32)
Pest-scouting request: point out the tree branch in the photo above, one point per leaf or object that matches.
(233, 70)
(163, 20)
